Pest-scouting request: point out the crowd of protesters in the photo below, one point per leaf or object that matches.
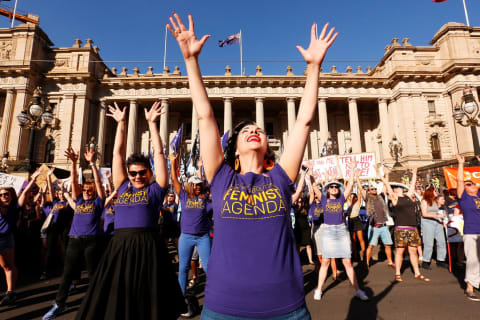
(235, 213)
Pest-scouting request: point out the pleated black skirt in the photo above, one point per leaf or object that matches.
(134, 280)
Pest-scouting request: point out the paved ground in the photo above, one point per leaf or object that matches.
(442, 298)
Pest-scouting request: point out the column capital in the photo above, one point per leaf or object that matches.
(133, 101)
(382, 100)
(228, 99)
(352, 99)
(164, 100)
(10, 91)
(69, 95)
(291, 99)
(322, 99)
(259, 99)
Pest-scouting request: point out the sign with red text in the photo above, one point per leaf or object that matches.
(325, 168)
(454, 227)
(365, 165)
(469, 173)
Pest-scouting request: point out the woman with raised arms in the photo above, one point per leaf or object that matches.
(254, 270)
(135, 278)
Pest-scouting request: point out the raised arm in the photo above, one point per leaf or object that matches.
(301, 183)
(50, 190)
(361, 192)
(90, 157)
(21, 198)
(119, 170)
(413, 182)
(210, 145)
(73, 156)
(110, 198)
(349, 185)
(159, 162)
(391, 195)
(460, 176)
(173, 168)
(297, 139)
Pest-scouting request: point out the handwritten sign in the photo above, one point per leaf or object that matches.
(7, 181)
(454, 227)
(365, 165)
(104, 173)
(325, 168)
(41, 180)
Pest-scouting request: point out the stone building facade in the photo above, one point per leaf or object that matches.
(409, 94)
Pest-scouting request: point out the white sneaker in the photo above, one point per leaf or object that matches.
(360, 294)
(317, 294)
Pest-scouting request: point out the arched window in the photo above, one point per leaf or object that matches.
(435, 144)
(50, 151)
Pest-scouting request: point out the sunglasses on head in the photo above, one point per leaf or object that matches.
(142, 173)
(5, 194)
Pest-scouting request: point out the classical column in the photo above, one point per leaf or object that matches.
(132, 127)
(80, 122)
(354, 126)
(384, 126)
(227, 114)
(259, 112)
(194, 122)
(291, 113)
(101, 131)
(65, 114)
(6, 122)
(164, 125)
(322, 121)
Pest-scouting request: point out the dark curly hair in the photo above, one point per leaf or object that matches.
(138, 158)
(232, 145)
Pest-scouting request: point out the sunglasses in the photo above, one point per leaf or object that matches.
(333, 187)
(372, 189)
(142, 173)
(6, 194)
(466, 185)
(87, 190)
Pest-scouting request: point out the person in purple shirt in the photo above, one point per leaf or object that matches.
(135, 278)
(335, 239)
(171, 229)
(469, 200)
(8, 219)
(254, 270)
(108, 215)
(85, 234)
(194, 223)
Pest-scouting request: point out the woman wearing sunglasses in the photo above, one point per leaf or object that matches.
(135, 278)
(85, 235)
(469, 201)
(254, 270)
(8, 219)
(335, 238)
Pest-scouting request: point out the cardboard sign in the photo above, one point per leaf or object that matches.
(104, 172)
(365, 165)
(325, 168)
(469, 173)
(41, 180)
(7, 181)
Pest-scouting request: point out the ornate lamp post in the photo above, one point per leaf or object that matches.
(466, 115)
(396, 150)
(4, 163)
(36, 116)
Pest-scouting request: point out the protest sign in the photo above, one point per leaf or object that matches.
(325, 168)
(8, 180)
(469, 173)
(41, 180)
(104, 173)
(454, 227)
(365, 165)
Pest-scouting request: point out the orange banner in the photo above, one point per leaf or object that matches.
(470, 173)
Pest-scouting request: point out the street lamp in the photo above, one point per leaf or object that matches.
(36, 116)
(396, 150)
(466, 116)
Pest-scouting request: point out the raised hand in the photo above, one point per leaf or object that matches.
(155, 112)
(50, 171)
(117, 113)
(188, 42)
(90, 154)
(460, 159)
(35, 174)
(172, 157)
(71, 154)
(318, 47)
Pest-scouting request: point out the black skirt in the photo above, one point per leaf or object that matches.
(134, 280)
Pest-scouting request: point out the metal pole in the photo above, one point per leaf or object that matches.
(476, 145)
(165, 50)
(29, 159)
(241, 54)
(466, 13)
(14, 13)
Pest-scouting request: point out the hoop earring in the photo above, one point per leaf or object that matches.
(268, 164)
(237, 164)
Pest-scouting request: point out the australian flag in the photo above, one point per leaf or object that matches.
(233, 39)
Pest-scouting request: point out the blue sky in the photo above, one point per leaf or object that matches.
(134, 30)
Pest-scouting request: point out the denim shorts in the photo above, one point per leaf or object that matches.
(379, 232)
(301, 313)
(335, 241)
(7, 242)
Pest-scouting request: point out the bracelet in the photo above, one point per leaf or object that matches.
(92, 164)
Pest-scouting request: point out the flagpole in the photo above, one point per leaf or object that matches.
(14, 13)
(241, 54)
(466, 13)
(165, 50)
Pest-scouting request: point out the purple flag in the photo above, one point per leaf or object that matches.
(225, 140)
(233, 39)
(175, 144)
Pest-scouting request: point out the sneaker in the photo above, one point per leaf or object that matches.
(186, 314)
(53, 312)
(317, 294)
(360, 294)
(442, 264)
(10, 298)
(426, 265)
(472, 296)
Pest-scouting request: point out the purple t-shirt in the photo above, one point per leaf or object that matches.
(138, 208)
(59, 209)
(254, 269)
(471, 213)
(194, 218)
(86, 218)
(316, 212)
(108, 216)
(333, 210)
(170, 213)
(9, 219)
